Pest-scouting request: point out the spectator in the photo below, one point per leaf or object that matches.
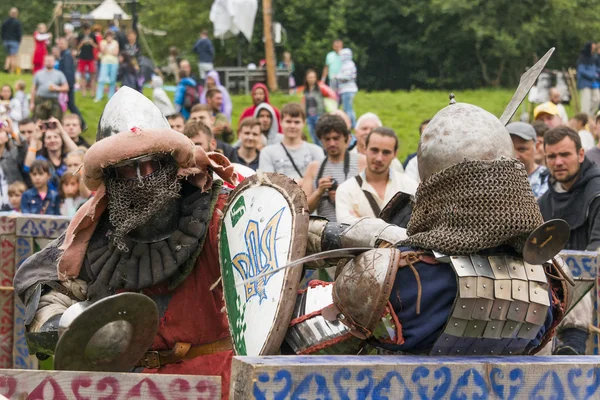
(579, 124)
(413, 155)
(213, 82)
(322, 177)
(314, 103)
(176, 122)
(200, 134)
(249, 136)
(206, 52)
(587, 80)
(203, 113)
(56, 144)
(119, 36)
(373, 188)
(364, 125)
(27, 128)
(128, 74)
(289, 66)
(40, 199)
(547, 113)
(346, 81)
(412, 165)
(12, 155)
(132, 47)
(88, 54)
(12, 105)
(160, 97)
(222, 127)
(12, 32)
(74, 161)
(109, 66)
(67, 66)
(72, 125)
(574, 196)
(70, 196)
(42, 39)
(333, 64)
(47, 84)
(173, 63)
(72, 38)
(15, 192)
(554, 95)
(260, 94)
(265, 114)
(292, 156)
(540, 129)
(186, 94)
(524, 141)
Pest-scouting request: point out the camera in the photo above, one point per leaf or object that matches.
(48, 125)
(334, 185)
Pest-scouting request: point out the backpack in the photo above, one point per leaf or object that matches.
(190, 98)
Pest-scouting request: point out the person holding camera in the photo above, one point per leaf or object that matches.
(11, 158)
(323, 177)
(56, 144)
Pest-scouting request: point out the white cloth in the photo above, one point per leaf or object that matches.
(412, 169)
(230, 17)
(587, 140)
(562, 113)
(162, 101)
(590, 98)
(351, 203)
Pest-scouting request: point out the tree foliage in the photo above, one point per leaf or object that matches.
(398, 44)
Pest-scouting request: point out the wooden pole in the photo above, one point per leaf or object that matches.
(269, 47)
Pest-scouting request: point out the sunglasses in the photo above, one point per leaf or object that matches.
(136, 168)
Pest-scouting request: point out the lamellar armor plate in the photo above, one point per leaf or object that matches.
(501, 304)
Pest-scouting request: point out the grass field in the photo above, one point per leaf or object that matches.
(402, 111)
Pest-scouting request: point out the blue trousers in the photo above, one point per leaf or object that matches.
(107, 75)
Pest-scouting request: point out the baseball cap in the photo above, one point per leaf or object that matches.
(522, 130)
(545, 108)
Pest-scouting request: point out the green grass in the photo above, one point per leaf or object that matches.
(401, 111)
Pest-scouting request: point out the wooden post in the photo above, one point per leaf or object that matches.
(269, 47)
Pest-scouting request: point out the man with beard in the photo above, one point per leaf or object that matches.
(203, 112)
(573, 195)
(373, 188)
(221, 127)
(260, 95)
(151, 228)
(322, 178)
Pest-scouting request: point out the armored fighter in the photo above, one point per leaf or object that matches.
(150, 228)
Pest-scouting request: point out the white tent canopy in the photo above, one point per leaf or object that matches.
(107, 11)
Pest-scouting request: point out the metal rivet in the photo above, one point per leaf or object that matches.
(481, 308)
(514, 267)
(510, 352)
(447, 338)
(528, 329)
(531, 269)
(499, 307)
(511, 328)
(468, 286)
(474, 351)
(517, 309)
(491, 351)
(535, 292)
(494, 327)
(484, 286)
(479, 265)
(464, 307)
(439, 351)
(474, 326)
(501, 287)
(519, 288)
(535, 311)
(458, 351)
(456, 324)
(498, 268)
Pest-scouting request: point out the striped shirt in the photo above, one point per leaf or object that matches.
(336, 171)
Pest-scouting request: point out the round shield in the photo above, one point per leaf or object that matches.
(264, 227)
(546, 241)
(110, 335)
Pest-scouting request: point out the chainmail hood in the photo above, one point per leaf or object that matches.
(472, 206)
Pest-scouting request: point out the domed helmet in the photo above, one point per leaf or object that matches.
(143, 191)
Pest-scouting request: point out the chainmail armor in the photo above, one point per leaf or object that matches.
(133, 202)
(472, 206)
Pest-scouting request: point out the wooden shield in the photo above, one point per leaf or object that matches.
(264, 227)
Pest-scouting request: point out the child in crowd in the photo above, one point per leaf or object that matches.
(15, 192)
(160, 98)
(40, 199)
(74, 162)
(22, 98)
(70, 195)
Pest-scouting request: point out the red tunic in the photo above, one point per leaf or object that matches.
(196, 314)
(39, 53)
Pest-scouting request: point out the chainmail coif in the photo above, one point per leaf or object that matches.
(472, 206)
(132, 202)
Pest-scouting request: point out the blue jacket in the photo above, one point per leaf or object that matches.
(205, 50)
(180, 96)
(587, 76)
(32, 203)
(66, 65)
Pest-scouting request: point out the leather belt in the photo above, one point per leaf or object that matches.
(183, 351)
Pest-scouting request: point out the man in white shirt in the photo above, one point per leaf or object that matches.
(370, 191)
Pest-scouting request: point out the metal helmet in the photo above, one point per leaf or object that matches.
(461, 132)
(129, 109)
(126, 110)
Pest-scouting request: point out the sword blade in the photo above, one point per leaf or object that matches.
(527, 81)
(338, 253)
